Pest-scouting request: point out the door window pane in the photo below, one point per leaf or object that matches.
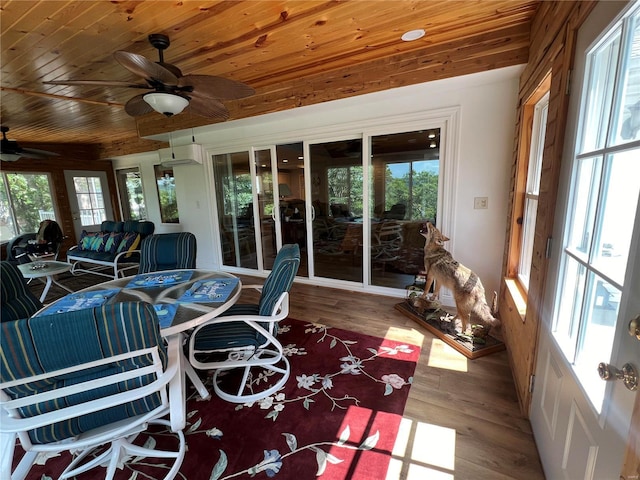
(90, 200)
(586, 180)
(600, 94)
(598, 332)
(619, 193)
(628, 108)
(166, 184)
(570, 302)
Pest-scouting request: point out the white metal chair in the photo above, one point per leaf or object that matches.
(94, 377)
(244, 338)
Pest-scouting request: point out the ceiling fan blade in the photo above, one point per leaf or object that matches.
(145, 68)
(33, 153)
(103, 83)
(215, 87)
(209, 108)
(36, 153)
(137, 106)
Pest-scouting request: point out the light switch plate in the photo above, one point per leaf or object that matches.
(480, 203)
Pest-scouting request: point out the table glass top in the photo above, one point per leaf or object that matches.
(182, 298)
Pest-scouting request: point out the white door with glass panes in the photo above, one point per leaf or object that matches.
(580, 420)
(89, 199)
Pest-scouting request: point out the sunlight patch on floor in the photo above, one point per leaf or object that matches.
(442, 355)
(408, 335)
(423, 451)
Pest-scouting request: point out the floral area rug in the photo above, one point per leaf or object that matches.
(337, 416)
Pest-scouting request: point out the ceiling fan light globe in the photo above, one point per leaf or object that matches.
(166, 103)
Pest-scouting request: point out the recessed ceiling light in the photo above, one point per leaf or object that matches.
(412, 35)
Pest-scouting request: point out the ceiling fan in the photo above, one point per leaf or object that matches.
(171, 91)
(10, 151)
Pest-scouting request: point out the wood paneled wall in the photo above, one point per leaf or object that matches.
(72, 157)
(552, 49)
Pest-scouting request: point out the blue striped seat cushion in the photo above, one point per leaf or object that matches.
(232, 334)
(44, 344)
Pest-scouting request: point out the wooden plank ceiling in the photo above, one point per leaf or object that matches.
(292, 52)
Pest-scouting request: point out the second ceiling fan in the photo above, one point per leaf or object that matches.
(171, 91)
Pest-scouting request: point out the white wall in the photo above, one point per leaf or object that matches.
(487, 103)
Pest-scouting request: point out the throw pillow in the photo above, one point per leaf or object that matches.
(93, 241)
(130, 241)
(113, 242)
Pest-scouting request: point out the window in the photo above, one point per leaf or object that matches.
(602, 205)
(533, 126)
(131, 194)
(90, 200)
(532, 189)
(166, 183)
(25, 201)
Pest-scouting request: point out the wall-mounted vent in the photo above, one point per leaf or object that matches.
(182, 155)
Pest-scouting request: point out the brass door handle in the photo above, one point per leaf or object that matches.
(634, 327)
(628, 374)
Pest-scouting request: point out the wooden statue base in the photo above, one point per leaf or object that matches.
(430, 320)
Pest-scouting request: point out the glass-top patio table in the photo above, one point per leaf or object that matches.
(183, 299)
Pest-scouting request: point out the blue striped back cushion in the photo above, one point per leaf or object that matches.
(225, 335)
(43, 344)
(285, 269)
(168, 251)
(17, 300)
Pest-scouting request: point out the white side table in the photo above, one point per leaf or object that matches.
(46, 269)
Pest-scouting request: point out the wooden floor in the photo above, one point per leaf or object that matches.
(462, 416)
(462, 420)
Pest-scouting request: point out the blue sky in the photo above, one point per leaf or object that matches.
(401, 169)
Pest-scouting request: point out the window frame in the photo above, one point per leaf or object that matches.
(532, 190)
(518, 288)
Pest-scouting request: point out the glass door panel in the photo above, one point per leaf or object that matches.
(404, 175)
(234, 198)
(336, 196)
(131, 194)
(291, 189)
(265, 191)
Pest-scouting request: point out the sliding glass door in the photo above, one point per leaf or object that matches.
(234, 198)
(404, 173)
(336, 196)
(354, 221)
(292, 201)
